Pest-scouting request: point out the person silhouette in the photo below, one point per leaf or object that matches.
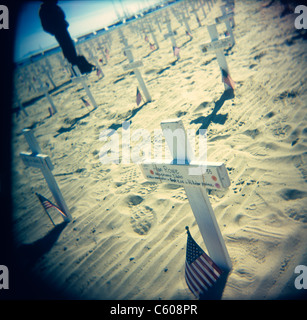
(53, 22)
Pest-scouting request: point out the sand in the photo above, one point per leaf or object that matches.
(127, 239)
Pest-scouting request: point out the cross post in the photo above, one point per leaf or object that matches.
(217, 46)
(134, 65)
(43, 162)
(82, 78)
(226, 18)
(44, 89)
(205, 175)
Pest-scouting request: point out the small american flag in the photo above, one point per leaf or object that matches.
(99, 72)
(188, 34)
(47, 204)
(152, 46)
(146, 38)
(85, 102)
(176, 51)
(138, 97)
(200, 271)
(227, 79)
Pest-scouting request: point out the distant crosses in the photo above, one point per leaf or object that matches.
(44, 88)
(94, 59)
(78, 78)
(157, 22)
(226, 18)
(38, 160)
(135, 65)
(21, 108)
(218, 46)
(185, 21)
(201, 5)
(194, 10)
(228, 9)
(170, 35)
(48, 71)
(151, 31)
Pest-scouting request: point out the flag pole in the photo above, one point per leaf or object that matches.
(45, 210)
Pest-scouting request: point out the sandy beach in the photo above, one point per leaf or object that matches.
(127, 239)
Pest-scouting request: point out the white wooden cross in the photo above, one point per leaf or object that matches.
(45, 90)
(151, 31)
(195, 177)
(194, 10)
(170, 34)
(226, 18)
(228, 8)
(217, 46)
(82, 79)
(38, 160)
(48, 72)
(135, 65)
(201, 5)
(158, 23)
(25, 74)
(21, 107)
(185, 21)
(94, 59)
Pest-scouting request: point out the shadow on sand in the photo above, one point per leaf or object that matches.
(216, 291)
(214, 117)
(29, 253)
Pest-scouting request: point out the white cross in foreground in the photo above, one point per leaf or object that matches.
(195, 177)
(43, 162)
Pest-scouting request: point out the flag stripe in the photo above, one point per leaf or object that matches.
(192, 280)
(217, 271)
(196, 276)
(203, 264)
(190, 283)
(201, 274)
(47, 204)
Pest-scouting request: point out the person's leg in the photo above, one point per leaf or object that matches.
(67, 46)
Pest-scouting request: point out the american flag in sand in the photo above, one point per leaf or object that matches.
(85, 102)
(227, 79)
(200, 271)
(176, 51)
(99, 72)
(152, 46)
(188, 34)
(138, 97)
(47, 204)
(146, 38)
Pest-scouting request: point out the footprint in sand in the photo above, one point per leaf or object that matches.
(147, 187)
(292, 194)
(142, 219)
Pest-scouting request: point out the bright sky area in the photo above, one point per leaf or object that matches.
(82, 16)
